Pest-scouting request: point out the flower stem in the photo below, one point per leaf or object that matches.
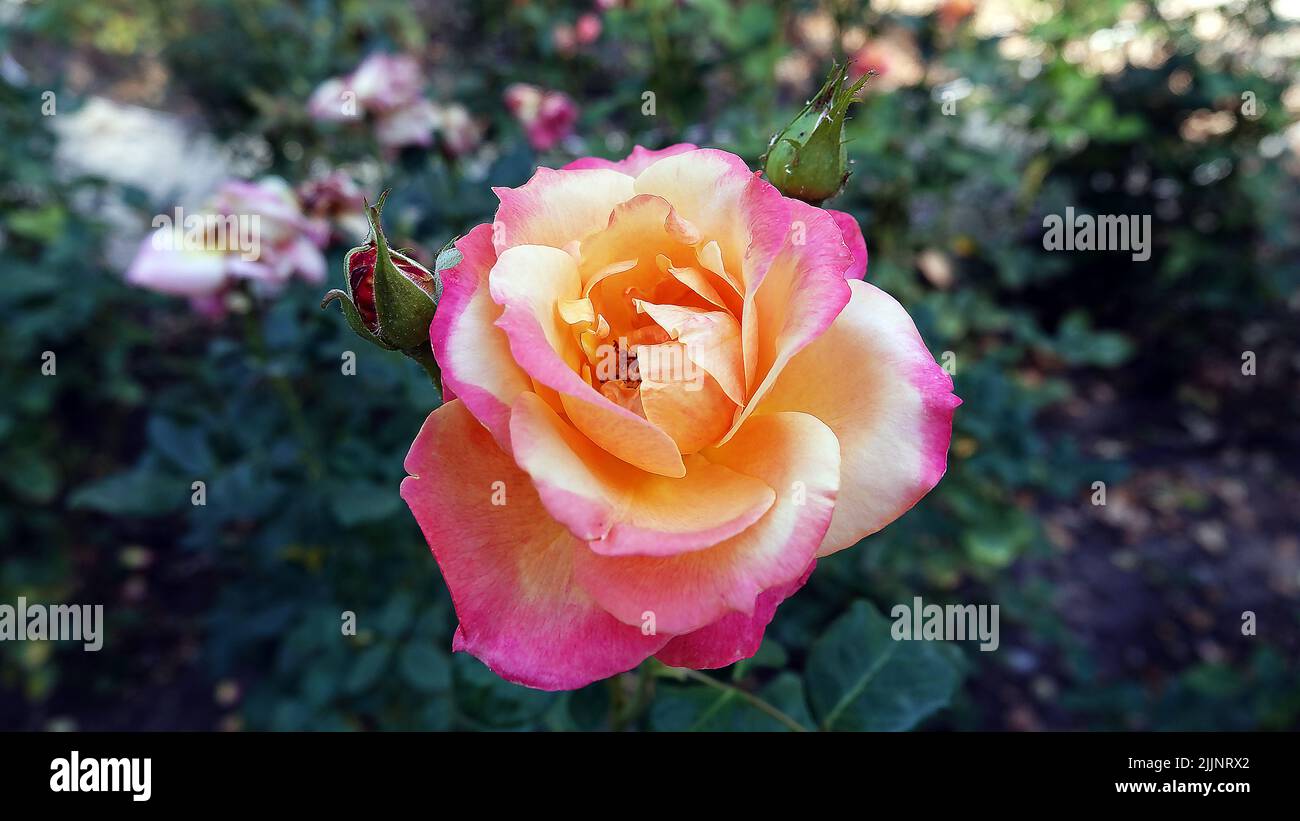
(753, 700)
(285, 391)
(617, 704)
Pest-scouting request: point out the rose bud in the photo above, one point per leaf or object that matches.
(807, 160)
(390, 298)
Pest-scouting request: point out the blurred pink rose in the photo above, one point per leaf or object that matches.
(461, 134)
(411, 124)
(387, 87)
(587, 29)
(253, 231)
(564, 38)
(160, 266)
(333, 101)
(547, 116)
(334, 204)
(385, 82)
(289, 242)
(893, 56)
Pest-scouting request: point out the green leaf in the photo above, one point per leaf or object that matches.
(356, 502)
(367, 669)
(44, 224)
(448, 257)
(770, 655)
(705, 709)
(32, 475)
(860, 678)
(998, 542)
(185, 446)
(137, 492)
(489, 700)
(424, 668)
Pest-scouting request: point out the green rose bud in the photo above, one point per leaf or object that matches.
(390, 298)
(807, 160)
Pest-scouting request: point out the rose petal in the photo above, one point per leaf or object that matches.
(556, 208)
(854, 240)
(623, 255)
(733, 637)
(796, 455)
(509, 566)
(798, 298)
(161, 266)
(681, 398)
(712, 340)
(620, 510)
(473, 353)
(871, 378)
(639, 160)
(706, 188)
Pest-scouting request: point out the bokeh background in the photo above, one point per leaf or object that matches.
(1075, 368)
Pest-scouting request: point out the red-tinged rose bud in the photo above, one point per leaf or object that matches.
(391, 298)
(362, 262)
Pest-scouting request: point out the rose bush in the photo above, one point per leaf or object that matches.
(668, 393)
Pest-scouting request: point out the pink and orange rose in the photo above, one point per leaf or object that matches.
(669, 392)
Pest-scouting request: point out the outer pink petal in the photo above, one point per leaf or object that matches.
(797, 299)
(797, 456)
(509, 566)
(771, 219)
(854, 240)
(873, 381)
(733, 637)
(556, 208)
(639, 160)
(473, 353)
(620, 510)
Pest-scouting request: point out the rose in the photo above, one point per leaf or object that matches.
(461, 133)
(288, 241)
(412, 124)
(547, 116)
(381, 83)
(386, 82)
(588, 28)
(253, 231)
(388, 87)
(334, 204)
(585, 521)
